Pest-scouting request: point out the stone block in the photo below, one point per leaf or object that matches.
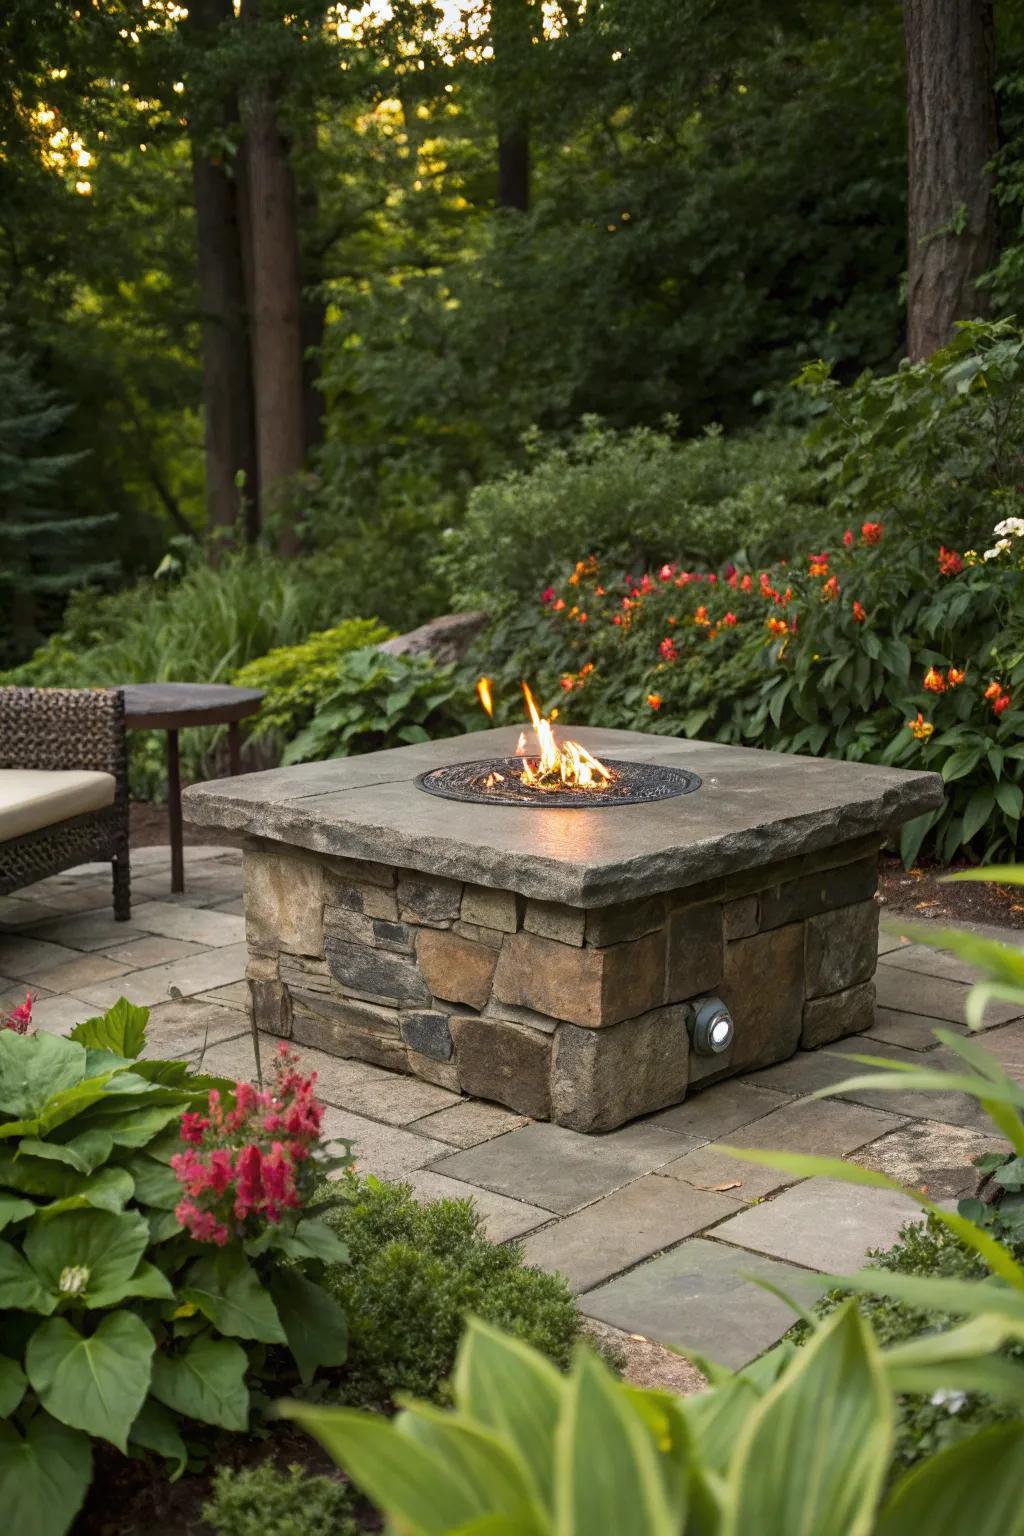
(348, 1032)
(742, 917)
(600, 1078)
(819, 891)
(590, 987)
(261, 966)
(305, 973)
(696, 952)
(492, 937)
(513, 1015)
(763, 988)
(841, 948)
(270, 1008)
(454, 968)
(841, 1013)
(552, 920)
(432, 901)
(356, 928)
(375, 974)
(504, 1062)
(358, 872)
(284, 900)
(428, 1034)
(822, 1225)
(491, 909)
(624, 921)
(444, 1073)
(372, 900)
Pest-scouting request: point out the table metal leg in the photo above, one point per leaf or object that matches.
(235, 748)
(174, 813)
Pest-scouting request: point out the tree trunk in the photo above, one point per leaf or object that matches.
(229, 423)
(275, 309)
(952, 137)
(512, 34)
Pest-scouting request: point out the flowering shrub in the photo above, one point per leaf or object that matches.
(884, 646)
(159, 1254)
(20, 1018)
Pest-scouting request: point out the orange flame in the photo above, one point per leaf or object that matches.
(558, 765)
(483, 693)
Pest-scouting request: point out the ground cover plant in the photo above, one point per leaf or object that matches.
(295, 677)
(161, 1254)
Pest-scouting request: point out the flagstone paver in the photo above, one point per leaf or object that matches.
(698, 1297)
(822, 1224)
(654, 1225)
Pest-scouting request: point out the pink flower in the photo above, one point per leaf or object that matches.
(19, 1020)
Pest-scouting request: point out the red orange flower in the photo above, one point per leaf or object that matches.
(954, 678)
(830, 589)
(729, 620)
(777, 627)
(950, 563)
(871, 533)
(654, 700)
(858, 613)
(921, 728)
(668, 649)
(934, 681)
(848, 537)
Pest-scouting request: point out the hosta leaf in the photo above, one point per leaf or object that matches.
(122, 1029)
(43, 1476)
(813, 1455)
(155, 1429)
(512, 1390)
(626, 1488)
(106, 1245)
(33, 1068)
(13, 1382)
(84, 1152)
(110, 1189)
(20, 1286)
(973, 1486)
(227, 1290)
(207, 1382)
(155, 1183)
(13, 1210)
(96, 1383)
(314, 1323)
(313, 1239)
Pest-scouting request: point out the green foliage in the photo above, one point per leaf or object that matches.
(294, 677)
(116, 1324)
(884, 642)
(371, 700)
(201, 626)
(414, 1275)
(631, 498)
(263, 1501)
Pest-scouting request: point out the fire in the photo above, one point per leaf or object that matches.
(565, 765)
(483, 693)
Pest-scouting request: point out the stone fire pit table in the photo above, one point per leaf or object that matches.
(556, 960)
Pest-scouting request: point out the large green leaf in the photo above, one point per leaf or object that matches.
(122, 1029)
(84, 1152)
(109, 1189)
(12, 1386)
(33, 1068)
(97, 1383)
(20, 1287)
(974, 1486)
(626, 1488)
(227, 1290)
(424, 1493)
(313, 1239)
(155, 1184)
(102, 1249)
(207, 1382)
(136, 1125)
(512, 1390)
(812, 1457)
(13, 1210)
(314, 1323)
(43, 1476)
(155, 1429)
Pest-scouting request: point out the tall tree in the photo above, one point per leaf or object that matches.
(952, 136)
(513, 34)
(228, 403)
(275, 298)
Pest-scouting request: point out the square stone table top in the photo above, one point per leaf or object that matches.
(753, 808)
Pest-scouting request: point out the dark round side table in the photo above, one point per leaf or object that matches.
(171, 707)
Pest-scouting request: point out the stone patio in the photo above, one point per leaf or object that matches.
(654, 1227)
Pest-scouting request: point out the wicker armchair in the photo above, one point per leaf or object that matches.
(64, 730)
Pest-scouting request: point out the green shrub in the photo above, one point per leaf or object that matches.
(414, 1275)
(137, 1303)
(294, 677)
(632, 497)
(371, 700)
(263, 1501)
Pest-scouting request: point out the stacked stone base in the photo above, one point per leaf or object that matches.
(578, 1016)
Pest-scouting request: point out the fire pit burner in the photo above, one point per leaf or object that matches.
(498, 781)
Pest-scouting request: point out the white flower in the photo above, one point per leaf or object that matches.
(1010, 525)
(946, 1398)
(73, 1280)
(996, 550)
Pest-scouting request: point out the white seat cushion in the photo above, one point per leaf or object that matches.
(31, 798)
